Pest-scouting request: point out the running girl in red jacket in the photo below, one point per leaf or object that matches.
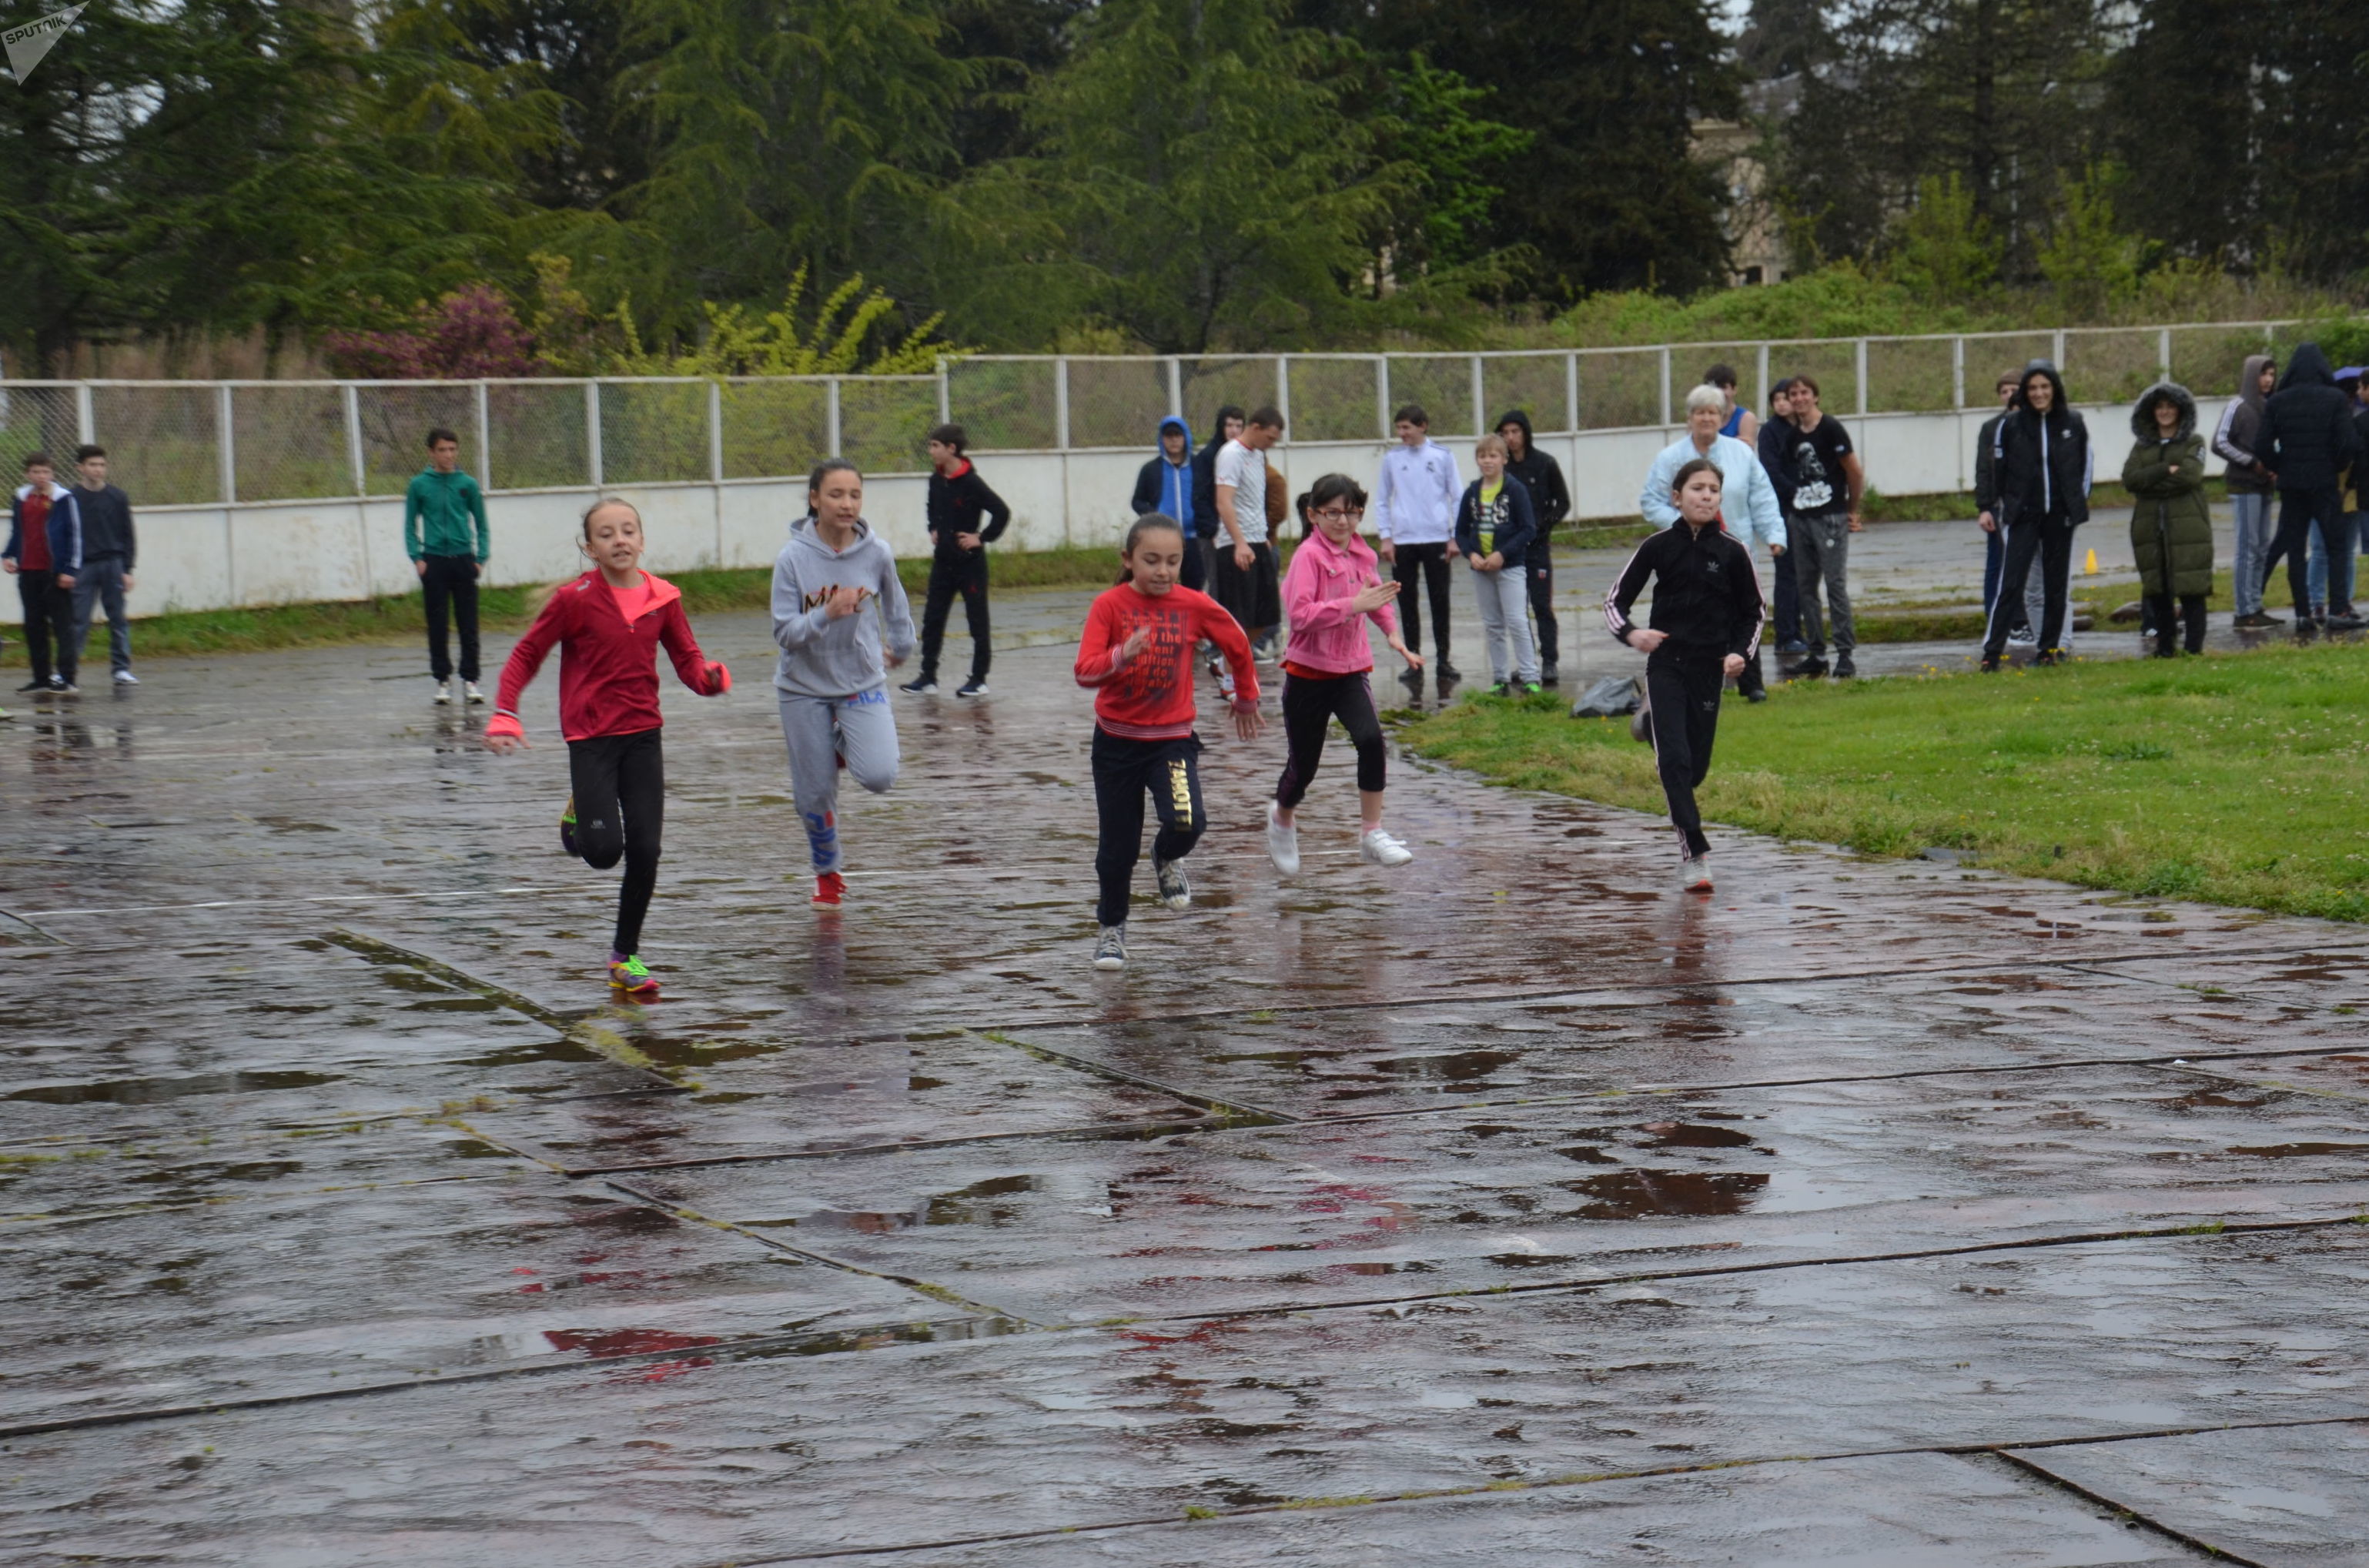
(1137, 656)
(608, 624)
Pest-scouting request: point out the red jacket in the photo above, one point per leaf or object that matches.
(607, 672)
(1150, 697)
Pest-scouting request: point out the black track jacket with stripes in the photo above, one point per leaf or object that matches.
(1706, 594)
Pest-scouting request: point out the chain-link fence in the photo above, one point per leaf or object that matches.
(204, 443)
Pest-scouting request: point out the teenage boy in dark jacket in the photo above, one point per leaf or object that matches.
(1549, 504)
(1986, 510)
(1207, 525)
(2238, 441)
(110, 549)
(2308, 440)
(2042, 469)
(1166, 485)
(958, 500)
(1776, 462)
(44, 545)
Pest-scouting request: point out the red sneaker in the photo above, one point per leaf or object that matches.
(830, 887)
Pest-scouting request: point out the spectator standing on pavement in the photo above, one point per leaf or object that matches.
(1776, 462)
(1415, 514)
(1166, 485)
(1749, 507)
(1827, 483)
(2041, 465)
(2348, 381)
(1247, 583)
(1987, 508)
(1549, 504)
(45, 544)
(110, 548)
(2308, 440)
(1493, 526)
(1207, 527)
(445, 535)
(2237, 441)
(1736, 420)
(966, 516)
(2171, 526)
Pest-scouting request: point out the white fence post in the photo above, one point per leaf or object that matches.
(1571, 384)
(353, 410)
(1957, 373)
(1283, 392)
(831, 419)
(86, 419)
(225, 453)
(716, 429)
(2163, 352)
(593, 455)
(1480, 400)
(2059, 348)
(484, 438)
(1858, 373)
(1382, 392)
(1760, 375)
(945, 394)
(1176, 390)
(1666, 388)
(1061, 403)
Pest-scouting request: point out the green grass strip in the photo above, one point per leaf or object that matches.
(2233, 779)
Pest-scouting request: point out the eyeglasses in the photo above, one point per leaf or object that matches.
(1337, 514)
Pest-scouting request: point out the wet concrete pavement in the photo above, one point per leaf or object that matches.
(1468, 1212)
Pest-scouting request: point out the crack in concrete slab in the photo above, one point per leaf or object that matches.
(2041, 1472)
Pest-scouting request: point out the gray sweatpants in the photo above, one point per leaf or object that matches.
(1504, 597)
(1820, 547)
(818, 731)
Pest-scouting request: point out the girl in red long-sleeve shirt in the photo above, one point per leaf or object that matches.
(609, 624)
(1137, 656)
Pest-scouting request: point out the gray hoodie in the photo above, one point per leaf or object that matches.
(820, 656)
(2238, 439)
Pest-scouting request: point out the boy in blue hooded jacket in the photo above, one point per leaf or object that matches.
(1164, 485)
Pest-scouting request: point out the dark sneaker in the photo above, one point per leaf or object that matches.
(1549, 673)
(1756, 695)
(1448, 672)
(2344, 621)
(1990, 664)
(1175, 891)
(1794, 644)
(974, 687)
(2049, 658)
(1110, 949)
(1809, 668)
(567, 828)
(1412, 678)
(34, 686)
(1844, 668)
(919, 686)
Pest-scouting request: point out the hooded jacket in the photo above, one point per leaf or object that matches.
(2041, 463)
(2307, 437)
(954, 505)
(1164, 486)
(1205, 478)
(608, 665)
(2172, 528)
(2238, 439)
(1777, 461)
(1549, 499)
(1511, 521)
(820, 656)
(62, 532)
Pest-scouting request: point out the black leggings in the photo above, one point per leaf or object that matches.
(1309, 709)
(1682, 687)
(2192, 615)
(1430, 562)
(619, 783)
(2298, 509)
(1123, 771)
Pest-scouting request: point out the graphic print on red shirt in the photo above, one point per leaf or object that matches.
(1150, 696)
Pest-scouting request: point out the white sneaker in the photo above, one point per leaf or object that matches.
(1282, 842)
(1380, 848)
(443, 694)
(1694, 873)
(125, 677)
(476, 698)
(1110, 948)
(2023, 636)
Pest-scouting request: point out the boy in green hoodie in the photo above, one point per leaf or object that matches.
(444, 533)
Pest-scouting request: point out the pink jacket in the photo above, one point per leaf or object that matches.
(1325, 634)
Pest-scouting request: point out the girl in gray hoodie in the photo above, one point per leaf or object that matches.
(832, 681)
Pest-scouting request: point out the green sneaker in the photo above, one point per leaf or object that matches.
(631, 976)
(1531, 688)
(567, 828)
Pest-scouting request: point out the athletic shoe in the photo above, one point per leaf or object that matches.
(1756, 695)
(1110, 949)
(1794, 644)
(443, 694)
(974, 687)
(1282, 842)
(632, 976)
(2022, 636)
(1448, 672)
(2344, 621)
(1809, 668)
(34, 686)
(830, 887)
(1990, 664)
(1502, 689)
(919, 686)
(1412, 678)
(1529, 689)
(1641, 724)
(2258, 622)
(1380, 848)
(2048, 657)
(567, 828)
(1548, 675)
(1175, 891)
(1694, 873)
(1844, 668)
(63, 688)
(476, 699)
(125, 677)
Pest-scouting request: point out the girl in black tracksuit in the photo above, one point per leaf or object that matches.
(1706, 627)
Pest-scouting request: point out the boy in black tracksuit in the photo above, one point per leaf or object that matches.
(2040, 472)
(1705, 628)
(958, 499)
(1549, 504)
(2307, 439)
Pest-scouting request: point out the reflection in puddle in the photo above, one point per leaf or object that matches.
(1632, 1194)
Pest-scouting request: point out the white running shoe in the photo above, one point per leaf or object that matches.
(1380, 848)
(443, 694)
(1694, 873)
(1110, 949)
(1282, 842)
(125, 677)
(476, 697)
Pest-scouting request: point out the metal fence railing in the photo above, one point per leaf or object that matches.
(213, 443)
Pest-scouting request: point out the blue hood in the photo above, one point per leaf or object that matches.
(1181, 428)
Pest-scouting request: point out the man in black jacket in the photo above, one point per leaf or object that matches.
(2041, 469)
(1706, 628)
(1549, 504)
(2308, 440)
(110, 548)
(1207, 525)
(1986, 510)
(958, 499)
(1776, 462)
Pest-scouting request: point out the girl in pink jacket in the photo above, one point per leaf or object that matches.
(1331, 588)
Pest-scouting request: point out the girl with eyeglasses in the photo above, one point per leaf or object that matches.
(1331, 590)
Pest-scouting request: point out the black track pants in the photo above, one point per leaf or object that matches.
(1429, 562)
(2048, 540)
(620, 784)
(1124, 771)
(451, 581)
(1683, 687)
(2298, 509)
(951, 575)
(1310, 707)
(1537, 568)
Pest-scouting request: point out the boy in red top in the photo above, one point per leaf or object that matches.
(1137, 656)
(609, 624)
